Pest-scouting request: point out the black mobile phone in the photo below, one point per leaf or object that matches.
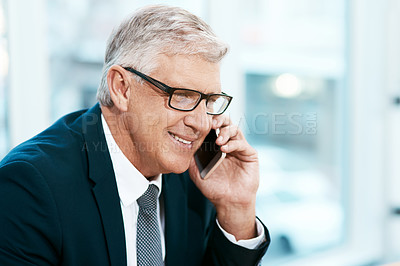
(209, 155)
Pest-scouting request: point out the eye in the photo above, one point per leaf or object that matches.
(184, 99)
(180, 96)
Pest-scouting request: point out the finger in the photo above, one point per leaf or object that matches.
(220, 121)
(241, 149)
(227, 133)
(233, 145)
(194, 171)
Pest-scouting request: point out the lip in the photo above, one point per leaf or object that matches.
(185, 138)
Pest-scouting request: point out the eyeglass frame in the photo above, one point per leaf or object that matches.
(170, 91)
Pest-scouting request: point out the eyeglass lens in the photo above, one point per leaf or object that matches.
(187, 100)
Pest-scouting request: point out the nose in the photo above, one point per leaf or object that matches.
(198, 118)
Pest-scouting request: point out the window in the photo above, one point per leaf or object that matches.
(4, 141)
(291, 119)
(288, 60)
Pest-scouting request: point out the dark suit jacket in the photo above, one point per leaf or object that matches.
(59, 205)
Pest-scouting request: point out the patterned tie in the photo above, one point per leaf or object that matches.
(148, 241)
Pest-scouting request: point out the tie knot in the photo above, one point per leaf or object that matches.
(149, 198)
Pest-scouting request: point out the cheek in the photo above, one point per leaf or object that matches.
(153, 115)
(173, 117)
(145, 117)
(152, 120)
(132, 122)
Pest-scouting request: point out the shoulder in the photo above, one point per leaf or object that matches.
(19, 179)
(52, 152)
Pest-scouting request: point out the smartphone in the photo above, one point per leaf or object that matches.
(209, 155)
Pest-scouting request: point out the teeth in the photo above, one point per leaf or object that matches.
(181, 140)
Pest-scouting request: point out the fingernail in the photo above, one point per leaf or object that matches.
(220, 138)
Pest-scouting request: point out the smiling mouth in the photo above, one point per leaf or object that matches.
(183, 141)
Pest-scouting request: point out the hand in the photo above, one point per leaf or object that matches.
(233, 185)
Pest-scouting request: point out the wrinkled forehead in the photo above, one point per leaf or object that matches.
(188, 71)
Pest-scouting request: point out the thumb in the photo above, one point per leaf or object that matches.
(194, 171)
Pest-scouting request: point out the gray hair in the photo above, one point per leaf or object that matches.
(155, 30)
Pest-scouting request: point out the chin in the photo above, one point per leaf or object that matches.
(178, 172)
(179, 167)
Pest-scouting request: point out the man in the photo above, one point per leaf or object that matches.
(76, 194)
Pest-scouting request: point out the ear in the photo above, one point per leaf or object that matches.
(119, 87)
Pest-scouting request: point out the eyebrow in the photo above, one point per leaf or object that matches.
(152, 80)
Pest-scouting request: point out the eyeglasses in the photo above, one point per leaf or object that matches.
(188, 100)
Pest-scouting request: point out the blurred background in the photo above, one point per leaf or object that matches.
(316, 86)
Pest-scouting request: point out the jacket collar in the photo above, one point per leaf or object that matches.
(176, 227)
(105, 190)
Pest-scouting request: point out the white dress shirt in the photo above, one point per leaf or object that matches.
(132, 184)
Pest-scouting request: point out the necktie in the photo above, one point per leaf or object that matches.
(148, 241)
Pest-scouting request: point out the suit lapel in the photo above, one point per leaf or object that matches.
(108, 203)
(175, 206)
(105, 188)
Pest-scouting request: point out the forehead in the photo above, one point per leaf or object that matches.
(188, 71)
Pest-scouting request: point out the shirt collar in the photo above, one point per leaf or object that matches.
(131, 183)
